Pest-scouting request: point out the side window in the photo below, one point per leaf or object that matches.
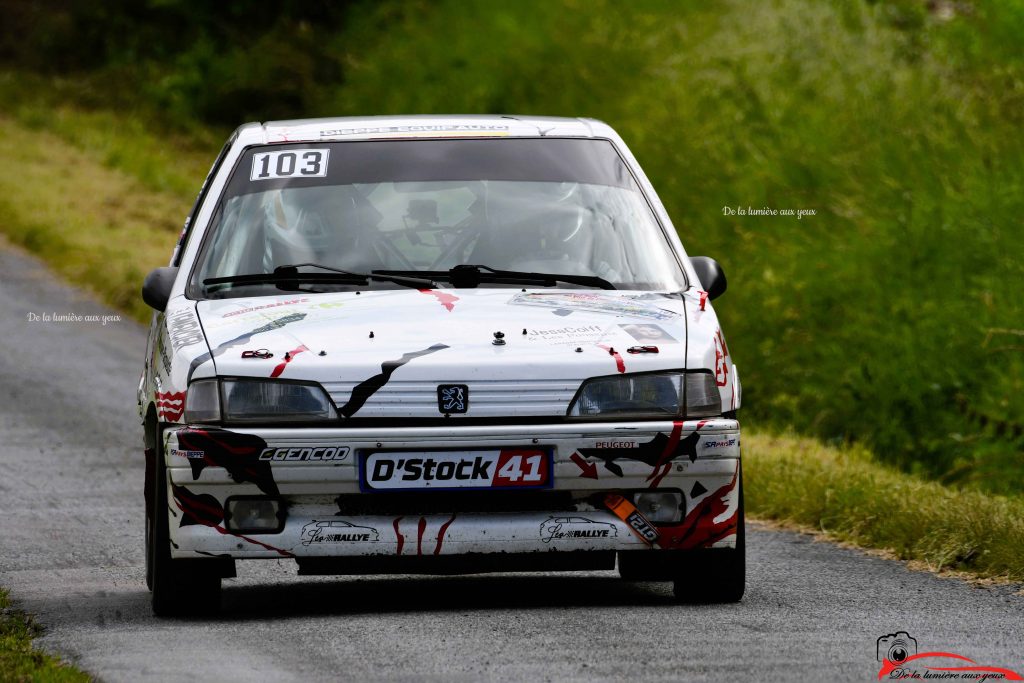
(185, 230)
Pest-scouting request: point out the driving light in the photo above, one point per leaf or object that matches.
(254, 515)
(253, 400)
(202, 404)
(660, 506)
(648, 395)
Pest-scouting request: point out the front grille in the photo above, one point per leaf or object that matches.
(487, 398)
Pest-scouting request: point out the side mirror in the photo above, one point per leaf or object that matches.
(710, 274)
(156, 288)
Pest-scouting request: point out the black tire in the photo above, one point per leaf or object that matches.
(715, 575)
(179, 587)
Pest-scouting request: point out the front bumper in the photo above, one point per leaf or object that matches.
(329, 513)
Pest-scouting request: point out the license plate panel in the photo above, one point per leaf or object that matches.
(464, 470)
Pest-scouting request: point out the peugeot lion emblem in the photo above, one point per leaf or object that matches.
(452, 398)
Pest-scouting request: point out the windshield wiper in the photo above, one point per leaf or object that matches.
(283, 276)
(467, 275)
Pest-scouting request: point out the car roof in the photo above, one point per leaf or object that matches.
(422, 126)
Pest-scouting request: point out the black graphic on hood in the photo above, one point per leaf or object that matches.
(654, 452)
(237, 453)
(197, 508)
(368, 387)
(242, 339)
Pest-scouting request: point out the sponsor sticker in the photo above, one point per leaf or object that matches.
(432, 130)
(183, 328)
(649, 332)
(304, 454)
(191, 455)
(615, 444)
(483, 469)
(595, 303)
(627, 512)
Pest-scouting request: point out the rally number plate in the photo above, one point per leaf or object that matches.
(500, 468)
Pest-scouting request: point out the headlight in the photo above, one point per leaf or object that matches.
(256, 400)
(660, 394)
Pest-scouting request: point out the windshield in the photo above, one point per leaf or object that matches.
(553, 206)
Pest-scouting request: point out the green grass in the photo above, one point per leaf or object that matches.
(846, 494)
(162, 161)
(98, 227)
(18, 660)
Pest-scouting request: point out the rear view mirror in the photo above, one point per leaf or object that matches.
(710, 274)
(156, 288)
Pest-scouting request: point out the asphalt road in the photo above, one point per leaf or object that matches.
(71, 534)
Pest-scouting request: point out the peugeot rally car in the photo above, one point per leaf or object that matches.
(436, 345)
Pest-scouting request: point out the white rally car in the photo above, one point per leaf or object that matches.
(407, 344)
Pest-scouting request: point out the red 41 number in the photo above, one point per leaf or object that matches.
(521, 468)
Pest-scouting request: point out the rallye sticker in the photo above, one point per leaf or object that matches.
(475, 469)
(337, 531)
(574, 528)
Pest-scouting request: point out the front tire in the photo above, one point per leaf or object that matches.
(715, 575)
(179, 587)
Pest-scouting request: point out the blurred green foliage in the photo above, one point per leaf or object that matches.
(218, 62)
(891, 318)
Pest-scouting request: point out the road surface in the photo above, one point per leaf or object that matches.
(71, 532)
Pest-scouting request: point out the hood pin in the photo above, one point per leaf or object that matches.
(499, 339)
(371, 334)
(322, 353)
(643, 349)
(579, 349)
(524, 330)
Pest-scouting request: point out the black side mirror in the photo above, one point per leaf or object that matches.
(156, 288)
(711, 275)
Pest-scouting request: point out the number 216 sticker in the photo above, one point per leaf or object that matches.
(292, 163)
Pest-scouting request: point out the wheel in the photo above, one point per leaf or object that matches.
(715, 575)
(179, 587)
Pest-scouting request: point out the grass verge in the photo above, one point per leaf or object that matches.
(97, 226)
(18, 660)
(846, 494)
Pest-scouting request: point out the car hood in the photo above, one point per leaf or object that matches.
(343, 335)
(385, 353)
